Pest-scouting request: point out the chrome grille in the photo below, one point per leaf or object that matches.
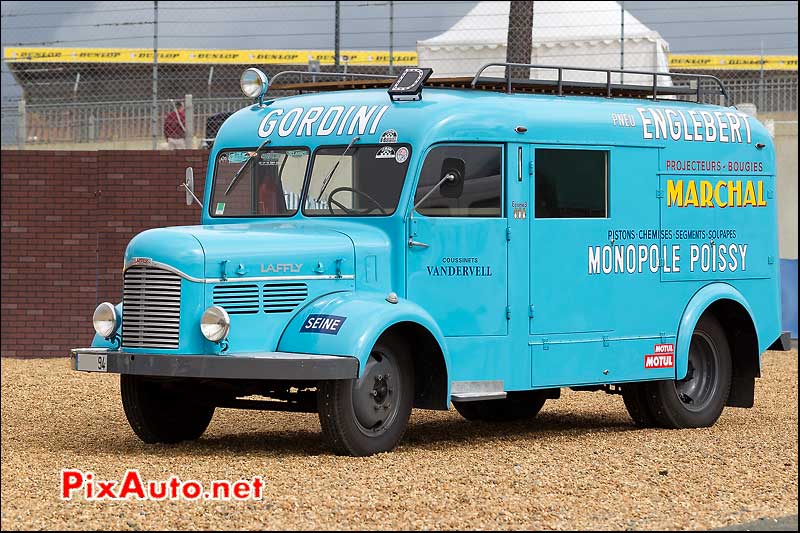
(151, 308)
(237, 298)
(283, 297)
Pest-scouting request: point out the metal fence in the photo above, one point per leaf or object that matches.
(771, 94)
(113, 122)
(118, 96)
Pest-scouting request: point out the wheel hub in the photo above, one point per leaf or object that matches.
(700, 384)
(374, 398)
(380, 390)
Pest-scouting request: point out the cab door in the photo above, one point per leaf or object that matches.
(457, 250)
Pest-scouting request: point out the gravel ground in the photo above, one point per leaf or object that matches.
(580, 465)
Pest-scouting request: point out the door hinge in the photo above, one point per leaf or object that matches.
(530, 311)
(508, 233)
(508, 312)
(660, 193)
(530, 168)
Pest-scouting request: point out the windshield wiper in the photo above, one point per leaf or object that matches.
(238, 172)
(330, 174)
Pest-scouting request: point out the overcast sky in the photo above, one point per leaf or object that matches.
(689, 27)
(726, 27)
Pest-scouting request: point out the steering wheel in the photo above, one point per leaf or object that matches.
(365, 211)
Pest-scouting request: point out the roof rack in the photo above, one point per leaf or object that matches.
(608, 89)
(507, 84)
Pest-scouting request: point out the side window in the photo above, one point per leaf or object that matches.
(476, 185)
(571, 183)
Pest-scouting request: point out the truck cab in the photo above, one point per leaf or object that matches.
(363, 252)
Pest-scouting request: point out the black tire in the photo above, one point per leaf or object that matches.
(635, 397)
(369, 415)
(161, 412)
(516, 406)
(698, 399)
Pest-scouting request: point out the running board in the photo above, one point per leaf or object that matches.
(472, 391)
(782, 343)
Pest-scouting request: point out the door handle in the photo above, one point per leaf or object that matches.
(412, 243)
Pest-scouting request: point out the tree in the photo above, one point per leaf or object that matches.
(520, 34)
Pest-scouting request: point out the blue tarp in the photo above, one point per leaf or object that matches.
(789, 295)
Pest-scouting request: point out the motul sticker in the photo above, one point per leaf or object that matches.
(663, 357)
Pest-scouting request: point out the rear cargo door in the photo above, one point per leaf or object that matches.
(570, 212)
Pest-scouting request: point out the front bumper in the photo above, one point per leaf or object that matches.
(262, 365)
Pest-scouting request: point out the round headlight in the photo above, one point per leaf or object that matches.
(105, 320)
(215, 323)
(254, 83)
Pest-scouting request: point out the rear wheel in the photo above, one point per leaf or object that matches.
(698, 399)
(516, 406)
(162, 411)
(635, 397)
(369, 415)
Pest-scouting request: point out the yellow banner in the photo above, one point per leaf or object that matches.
(325, 57)
(172, 56)
(720, 62)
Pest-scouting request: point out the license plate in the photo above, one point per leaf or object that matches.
(91, 362)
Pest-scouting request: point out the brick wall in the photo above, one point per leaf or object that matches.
(66, 220)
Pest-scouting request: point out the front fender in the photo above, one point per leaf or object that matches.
(366, 317)
(691, 314)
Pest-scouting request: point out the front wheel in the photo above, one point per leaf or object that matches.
(369, 415)
(163, 411)
(698, 399)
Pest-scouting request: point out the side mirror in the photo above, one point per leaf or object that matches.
(453, 170)
(451, 184)
(189, 184)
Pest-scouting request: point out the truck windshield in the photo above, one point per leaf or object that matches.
(366, 182)
(269, 185)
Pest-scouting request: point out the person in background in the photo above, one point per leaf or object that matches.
(174, 129)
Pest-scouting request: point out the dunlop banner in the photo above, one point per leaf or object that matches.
(719, 62)
(325, 57)
(244, 57)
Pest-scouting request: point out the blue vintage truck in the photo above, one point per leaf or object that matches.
(376, 245)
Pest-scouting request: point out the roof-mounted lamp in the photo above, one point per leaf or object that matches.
(254, 84)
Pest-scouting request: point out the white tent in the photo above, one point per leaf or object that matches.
(576, 34)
